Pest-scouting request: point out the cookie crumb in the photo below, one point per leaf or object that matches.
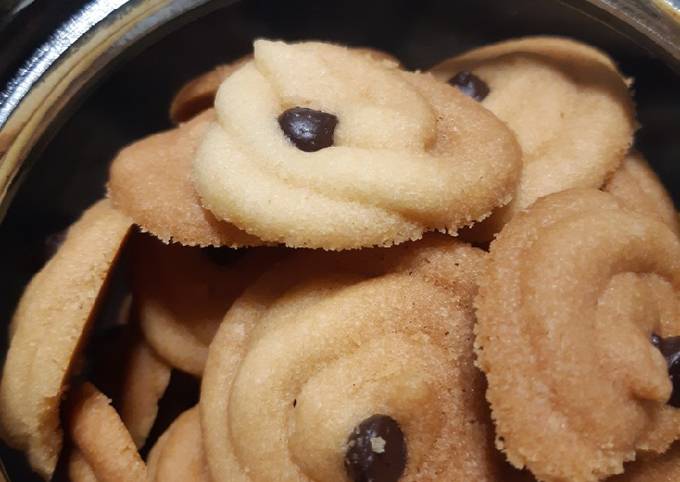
(378, 445)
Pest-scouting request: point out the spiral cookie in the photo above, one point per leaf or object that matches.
(565, 101)
(78, 468)
(178, 455)
(639, 189)
(100, 436)
(344, 376)
(150, 181)
(48, 329)
(316, 145)
(144, 383)
(577, 321)
(182, 294)
(198, 94)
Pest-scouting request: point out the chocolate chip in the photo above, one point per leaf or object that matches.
(470, 85)
(670, 349)
(310, 130)
(376, 451)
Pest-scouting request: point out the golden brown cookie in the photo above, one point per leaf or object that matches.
(322, 374)
(198, 94)
(182, 294)
(99, 434)
(639, 189)
(78, 468)
(567, 103)
(178, 455)
(576, 312)
(317, 145)
(144, 383)
(48, 329)
(150, 181)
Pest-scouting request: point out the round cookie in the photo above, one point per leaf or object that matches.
(182, 294)
(99, 434)
(359, 373)
(576, 314)
(566, 102)
(343, 151)
(178, 455)
(144, 383)
(48, 329)
(639, 189)
(198, 94)
(150, 181)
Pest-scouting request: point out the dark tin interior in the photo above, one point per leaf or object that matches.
(69, 173)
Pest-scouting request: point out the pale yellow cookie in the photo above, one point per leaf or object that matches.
(578, 303)
(308, 353)
(395, 154)
(198, 94)
(639, 189)
(178, 455)
(99, 434)
(150, 181)
(566, 102)
(182, 294)
(48, 329)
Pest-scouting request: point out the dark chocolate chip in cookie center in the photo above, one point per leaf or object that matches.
(470, 85)
(670, 349)
(310, 130)
(376, 451)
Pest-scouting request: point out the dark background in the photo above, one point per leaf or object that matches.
(70, 172)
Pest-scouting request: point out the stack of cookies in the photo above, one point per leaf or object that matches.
(369, 275)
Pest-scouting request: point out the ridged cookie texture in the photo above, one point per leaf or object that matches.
(402, 153)
(48, 329)
(198, 94)
(566, 102)
(150, 181)
(638, 188)
(575, 313)
(182, 293)
(327, 348)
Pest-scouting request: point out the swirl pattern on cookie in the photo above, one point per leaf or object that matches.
(150, 181)
(182, 294)
(343, 374)
(566, 102)
(198, 94)
(574, 312)
(48, 329)
(639, 189)
(99, 435)
(316, 145)
(178, 454)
